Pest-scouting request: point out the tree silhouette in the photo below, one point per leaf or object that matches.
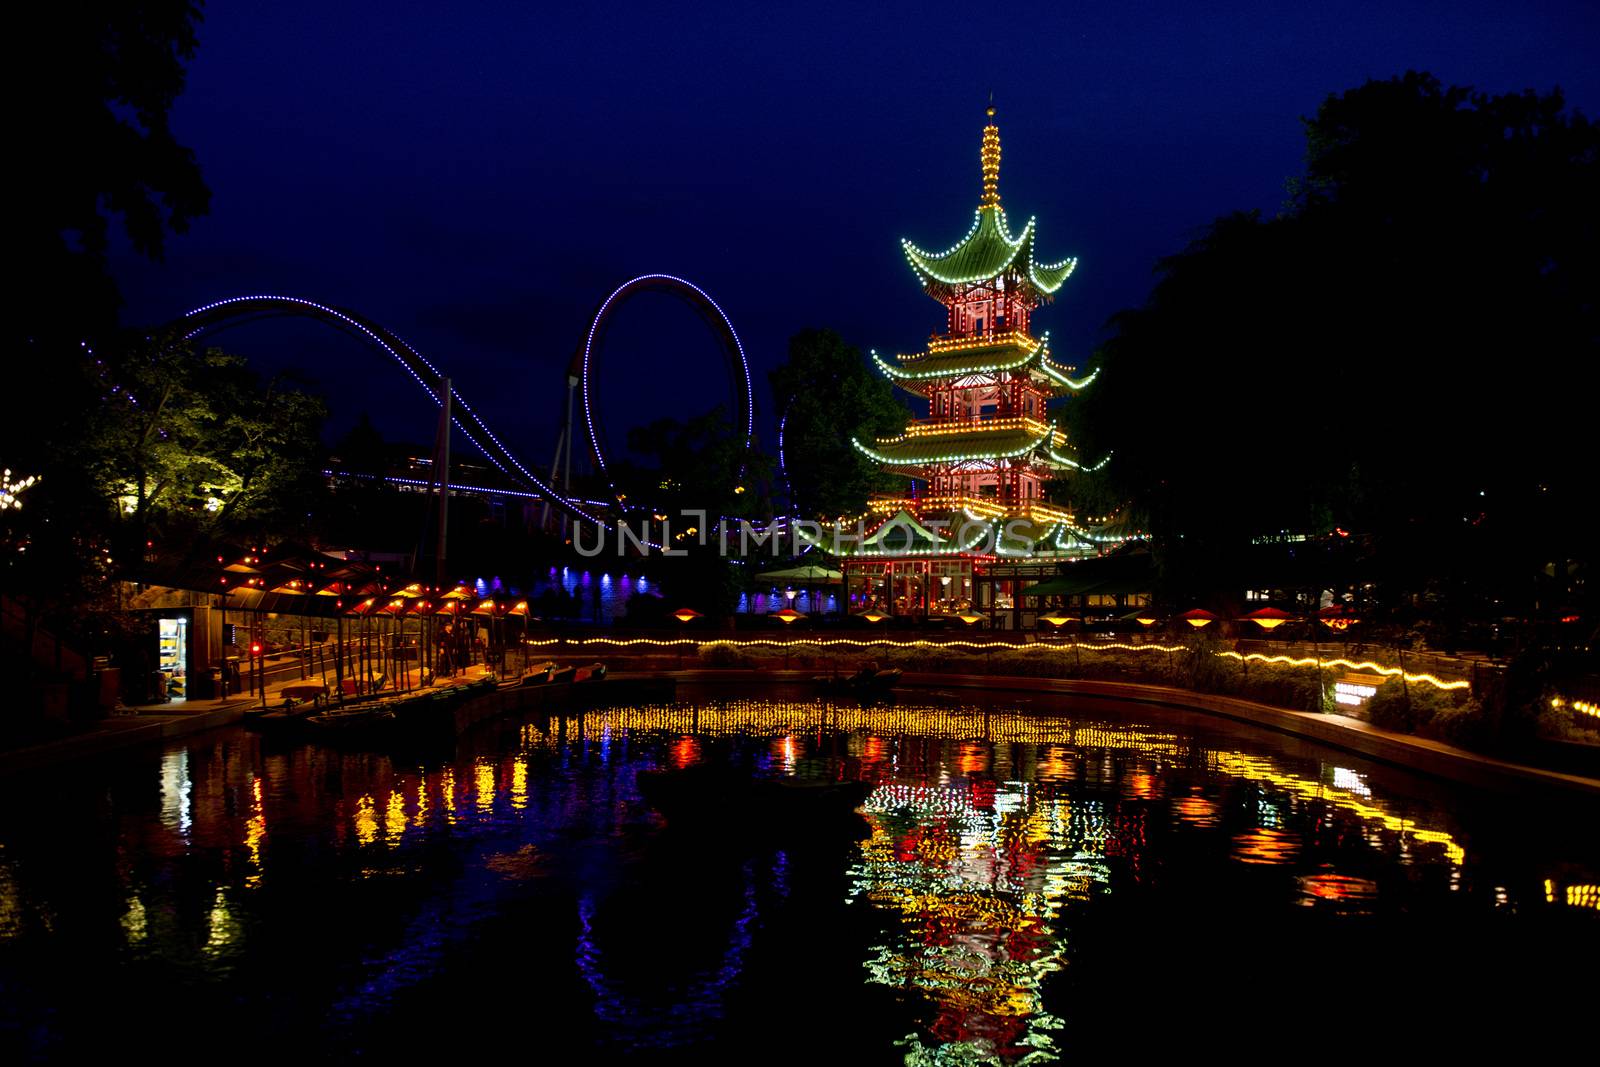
(827, 395)
(1398, 355)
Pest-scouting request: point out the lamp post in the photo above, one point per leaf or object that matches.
(970, 620)
(1057, 621)
(684, 616)
(788, 616)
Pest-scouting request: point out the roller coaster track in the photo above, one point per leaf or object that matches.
(235, 311)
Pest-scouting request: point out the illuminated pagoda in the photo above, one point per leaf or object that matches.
(974, 527)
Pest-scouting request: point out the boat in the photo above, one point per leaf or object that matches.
(279, 720)
(595, 672)
(351, 723)
(538, 674)
(709, 796)
(562, 674)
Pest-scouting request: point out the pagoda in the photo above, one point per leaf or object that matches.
(973, 527)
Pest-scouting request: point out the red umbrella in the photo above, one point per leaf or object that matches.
(1198, 617)
(1337, 617)
(1269, 618)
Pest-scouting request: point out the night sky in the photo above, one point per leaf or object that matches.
(477, 177)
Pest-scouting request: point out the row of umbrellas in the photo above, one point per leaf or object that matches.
(460, 600)
(316, 584)
(1335, 617)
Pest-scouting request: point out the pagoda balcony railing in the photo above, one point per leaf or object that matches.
(956, 424)
(955, 342)
(985, 507)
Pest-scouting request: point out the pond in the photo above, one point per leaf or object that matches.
(1035, 880)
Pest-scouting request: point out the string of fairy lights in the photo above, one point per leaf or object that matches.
(1362, 665)
(977, 507)
(925, 264)
(956, 457)
(990, 646)
(12, 488)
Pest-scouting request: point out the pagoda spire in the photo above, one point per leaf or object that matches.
(989, 159)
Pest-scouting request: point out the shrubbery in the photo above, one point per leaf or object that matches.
(1454, 716)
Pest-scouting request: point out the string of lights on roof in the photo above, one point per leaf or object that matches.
(924, 375)
(1058, 372)
(965, 457)
(1065, 461)
(1004, 339)
(938, 428)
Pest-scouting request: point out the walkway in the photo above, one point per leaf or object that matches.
(149, 723)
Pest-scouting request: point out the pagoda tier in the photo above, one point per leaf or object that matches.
(989, 274)
(1000, 460)
(1012, 356)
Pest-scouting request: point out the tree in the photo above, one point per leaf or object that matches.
(195, 443)
(698, 465)
(95, 145)
(102, 77)
(827, 395)
(1393, 356)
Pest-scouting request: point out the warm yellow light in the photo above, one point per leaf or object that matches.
(1364, 665)
(873, 616)
(1057, 621)
(686, 614)
(957, 343)
(1146, 620)
(1197, 623)
(1266, 624)
(989, 160)
(970, 619)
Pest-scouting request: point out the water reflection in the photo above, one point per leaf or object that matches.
(385, 887)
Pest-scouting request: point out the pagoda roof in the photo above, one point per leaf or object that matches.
(1009, 439)
(1064, 462)
(954, 532)
(915, 535)
(1015, 353)
(904, 535)
(988, 251)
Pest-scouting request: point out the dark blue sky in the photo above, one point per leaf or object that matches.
(478, 176)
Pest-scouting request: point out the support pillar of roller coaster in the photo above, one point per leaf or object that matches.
(566, 472)
(561, 462)
(441, 466)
